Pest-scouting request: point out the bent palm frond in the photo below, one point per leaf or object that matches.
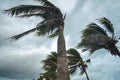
(27, 9)
(47, 26)
(46, 3)
(93, 28)
(108, 25)
(16, 37)
(54, 34)
(94, 38)
(74, 52)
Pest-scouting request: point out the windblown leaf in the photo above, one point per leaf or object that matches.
(108, 25)
(47, 27)
(54, 34)
(93, 28)
(16, 37)
(46, 3)
(82, 71)
(74, 53)
(27, 9)
(88, 61)
(72, 69)
(55, 9)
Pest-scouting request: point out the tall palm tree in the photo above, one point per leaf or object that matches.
(52, 25)
(94, 37)
(76, 61)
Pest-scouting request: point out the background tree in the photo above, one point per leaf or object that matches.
(94, 37)
(52, 25)
(76, 61)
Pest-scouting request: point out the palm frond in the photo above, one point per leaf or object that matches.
(51, 61)
(93, 42)
(30, 15)
(46, 3)
(52, 57)
(93, 28)
(50, 66)
(56, 10)
(113, 48)
(72, 60)
(82, 71)
(54, 34)
(108, 25)
(27, 9)
(74, 52)
(47, 27)
(72, 69)
(16, 37)
(88, 60)
(72, 63)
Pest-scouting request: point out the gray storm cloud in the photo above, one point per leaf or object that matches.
(20, 60)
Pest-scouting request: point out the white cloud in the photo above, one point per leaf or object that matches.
(65, 5)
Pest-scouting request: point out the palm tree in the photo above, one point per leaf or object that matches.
(94, 37)
(50, 67)
(76, 61)
(52, 25)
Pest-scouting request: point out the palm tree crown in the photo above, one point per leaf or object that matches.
(50, 67)
(76, 61)
(94, 37)
(52, 18)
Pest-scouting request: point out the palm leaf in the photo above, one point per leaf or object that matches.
(27, 9)
(93, 28)
(47, 26)
(54, 34)
(43, 15)
(46, 3)
(88, 61)
(16, 37)
(73, 60)
(108, 25)
(72, 69)
(74, 53)
(82, 71)
(93, 42)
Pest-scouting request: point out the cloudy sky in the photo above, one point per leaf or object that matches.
(20, 60)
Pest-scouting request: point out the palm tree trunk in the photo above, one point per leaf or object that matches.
(62, 65)
(86, 74)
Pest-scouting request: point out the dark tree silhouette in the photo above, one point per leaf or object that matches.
(76, 61)
(94, 37)
(52, 25)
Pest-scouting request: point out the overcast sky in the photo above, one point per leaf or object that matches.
(20, 60)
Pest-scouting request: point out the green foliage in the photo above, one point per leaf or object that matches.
(16, 37)
(93, 28)
(54, 34)
(94, 37)
(50, 66)
(52, 18)
(75, 61)
(107, 24)
(46, 3)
